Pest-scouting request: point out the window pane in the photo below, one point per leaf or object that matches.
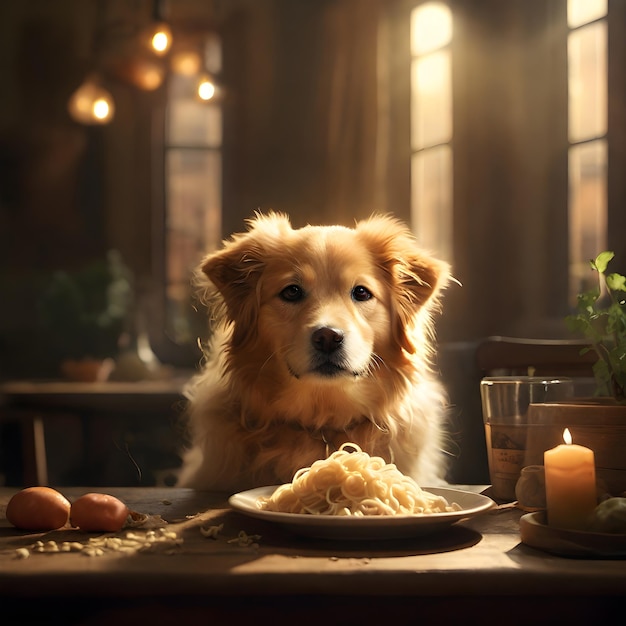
(194, 194)
(193, 221)
(587, 212)
(431, 202)
(431, 100)
(581, 12)
(213, 54)
(431, 27)
(587, 52)
(190, 121)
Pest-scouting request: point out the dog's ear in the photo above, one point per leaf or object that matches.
(236, 270)
(415, 277)
(419, 282)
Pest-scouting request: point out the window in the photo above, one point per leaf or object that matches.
(431, 127)
(506, 152)
(193, 174)
(587, 130)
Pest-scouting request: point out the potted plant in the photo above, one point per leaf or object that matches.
(597, 422)
(84, 315)
(601, 318)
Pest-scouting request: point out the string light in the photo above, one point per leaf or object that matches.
(207, 88)
(91, 103)
(158, 34)
(138, 64)
(186, 62)
(160, 38)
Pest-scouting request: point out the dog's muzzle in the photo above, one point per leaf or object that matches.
(327, 339)
(329, 356)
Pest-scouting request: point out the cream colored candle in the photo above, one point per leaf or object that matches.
(570, 484)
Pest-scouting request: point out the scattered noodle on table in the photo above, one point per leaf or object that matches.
(351, 482)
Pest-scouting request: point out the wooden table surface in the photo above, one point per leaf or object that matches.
(114, 405)
(476, 570)
(102, 396)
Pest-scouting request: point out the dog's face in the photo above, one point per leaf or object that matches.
(326, 303)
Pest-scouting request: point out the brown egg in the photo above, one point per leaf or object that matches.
(98, 512)
(38, 508)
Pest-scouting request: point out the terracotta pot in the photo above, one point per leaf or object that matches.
(597, 423)
(86, 370)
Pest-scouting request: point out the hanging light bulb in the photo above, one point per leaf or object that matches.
(160, 38)
(186, 62)
(207, 89)
(140, 70)
(91, 103)
(148, 76)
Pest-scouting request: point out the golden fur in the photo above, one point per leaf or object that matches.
(322, 335)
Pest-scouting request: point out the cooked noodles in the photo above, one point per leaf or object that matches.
(351, 482)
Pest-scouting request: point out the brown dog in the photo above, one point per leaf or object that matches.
(322, 335)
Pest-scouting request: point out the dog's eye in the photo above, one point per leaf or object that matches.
(360, 293)
(292, 293)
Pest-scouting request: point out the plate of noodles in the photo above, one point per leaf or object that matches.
(350, 495)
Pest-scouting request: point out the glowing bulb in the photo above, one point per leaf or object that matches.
(147, 75)
(206, 89)
(91, 103)
(186, 62)
(160, 38)
(160, 42)
(151, 79)
(101, 109)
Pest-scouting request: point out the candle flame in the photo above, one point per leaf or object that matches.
(567, 436)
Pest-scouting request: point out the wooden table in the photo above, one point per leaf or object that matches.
(33, 403)
(474, 572)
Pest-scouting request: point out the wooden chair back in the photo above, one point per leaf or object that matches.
(510, 356)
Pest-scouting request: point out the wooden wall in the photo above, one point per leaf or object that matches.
(310, 130)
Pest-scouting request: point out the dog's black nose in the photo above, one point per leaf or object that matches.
(326, 339)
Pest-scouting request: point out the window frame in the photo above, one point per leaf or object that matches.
(183, 354)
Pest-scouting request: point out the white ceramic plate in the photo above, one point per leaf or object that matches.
(367, 527)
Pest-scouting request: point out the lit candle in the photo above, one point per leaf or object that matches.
(570, 484)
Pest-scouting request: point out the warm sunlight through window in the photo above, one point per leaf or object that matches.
(581, 12)
(587, 54)
(587, 47)
(431, 175)
(431, 89)
(431, 27)
(431, 127)
(193, 165)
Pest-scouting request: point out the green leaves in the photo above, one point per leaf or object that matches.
(616, 282)
(603, 321)
(601, 262)
(84, 313)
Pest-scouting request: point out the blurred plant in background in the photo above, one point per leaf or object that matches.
(85, 313)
